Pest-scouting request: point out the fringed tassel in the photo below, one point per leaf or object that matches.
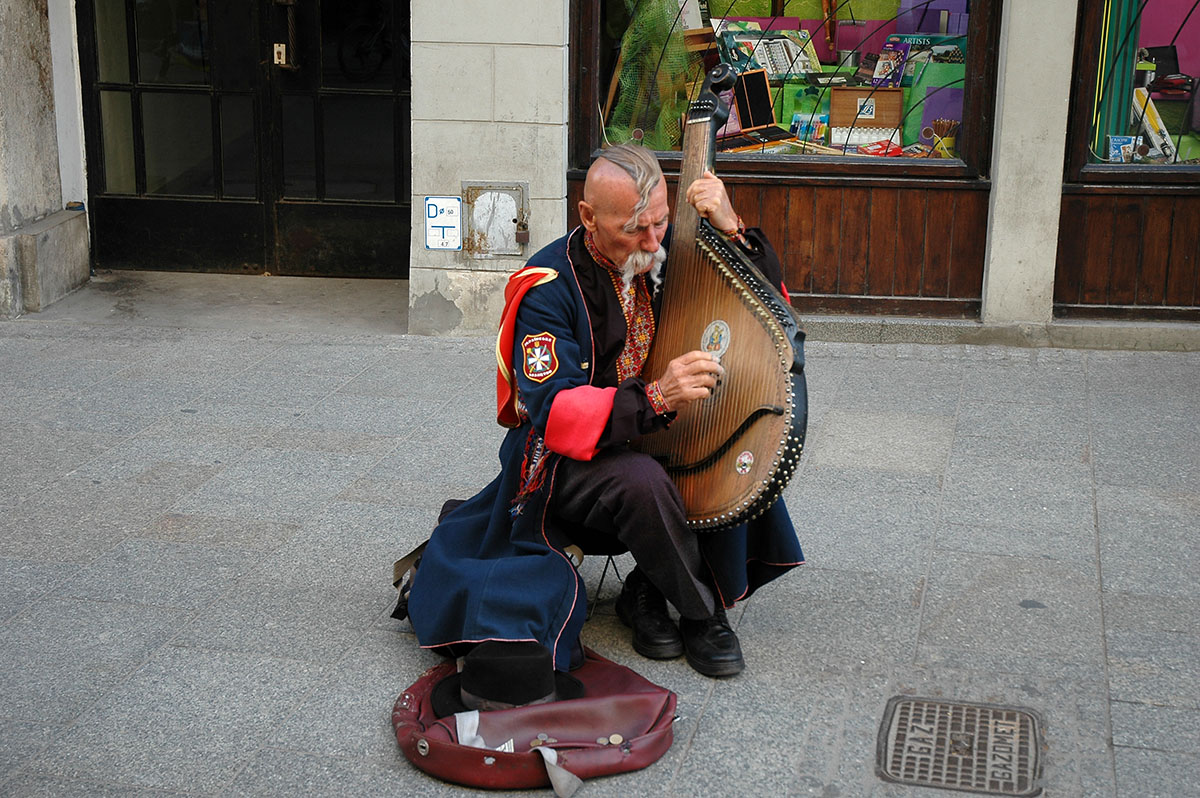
(533, 473)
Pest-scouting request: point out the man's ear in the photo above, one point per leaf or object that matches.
(587, 215)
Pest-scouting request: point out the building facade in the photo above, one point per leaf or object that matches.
(307, 137)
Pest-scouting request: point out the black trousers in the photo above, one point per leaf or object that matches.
(623, 500)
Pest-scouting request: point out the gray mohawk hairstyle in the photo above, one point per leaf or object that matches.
(641, 165)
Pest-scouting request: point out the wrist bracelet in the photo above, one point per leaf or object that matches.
(736, 233)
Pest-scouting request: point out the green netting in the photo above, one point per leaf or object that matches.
(740, 8)
(805, 9)
(656, 70)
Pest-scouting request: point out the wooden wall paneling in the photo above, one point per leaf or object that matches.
(965, 280)
(939, 241)
(584, 91)
(1098, 232)
(828, 219)
(881, 247)
(574, 195)
(1185, 240)
(739, 197)
(1072, 250)
(797, 251)
(1155, 241)
(856, 235)
(910, 243)
(1126, 250)
(773, 215)
(845, 242)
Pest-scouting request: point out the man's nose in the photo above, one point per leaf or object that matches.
(650, 240)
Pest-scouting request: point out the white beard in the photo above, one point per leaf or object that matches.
(642, 262)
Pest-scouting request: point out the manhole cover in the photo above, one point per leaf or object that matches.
(980, 748)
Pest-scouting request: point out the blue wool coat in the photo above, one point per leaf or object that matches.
(494, 568)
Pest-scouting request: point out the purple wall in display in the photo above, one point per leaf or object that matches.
(928, 16)
(1159, 25)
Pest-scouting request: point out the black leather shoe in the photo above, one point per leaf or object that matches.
(712, 646)
(642, 607)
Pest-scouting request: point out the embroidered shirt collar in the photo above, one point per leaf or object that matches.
(597, 255)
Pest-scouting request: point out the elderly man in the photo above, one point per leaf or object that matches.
(577, 326)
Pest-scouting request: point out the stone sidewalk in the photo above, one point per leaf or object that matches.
(198, 523)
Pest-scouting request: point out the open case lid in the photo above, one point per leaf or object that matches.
(755, 105)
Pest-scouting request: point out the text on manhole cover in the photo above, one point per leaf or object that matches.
(982, 748)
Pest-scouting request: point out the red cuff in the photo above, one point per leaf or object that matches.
(577, 419)
(657, 400)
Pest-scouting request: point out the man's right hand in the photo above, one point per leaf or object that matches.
(689, 377)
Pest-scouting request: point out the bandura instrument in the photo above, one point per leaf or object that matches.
(732, 454)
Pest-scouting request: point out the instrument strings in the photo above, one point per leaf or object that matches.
(695, 298)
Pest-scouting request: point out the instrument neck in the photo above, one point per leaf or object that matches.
(697, 156)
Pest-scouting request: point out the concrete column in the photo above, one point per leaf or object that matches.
(484, 111)
(29, 184)
(68, 100)
(43, 251)
(1037, 45)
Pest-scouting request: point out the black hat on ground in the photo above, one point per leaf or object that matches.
(499, 674)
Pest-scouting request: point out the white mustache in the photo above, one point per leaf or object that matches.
(641, 262)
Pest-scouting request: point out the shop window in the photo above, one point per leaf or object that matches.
(1148, 67)
(1134, 115)
(880, 84)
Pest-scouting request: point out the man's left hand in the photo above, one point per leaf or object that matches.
(708, 196)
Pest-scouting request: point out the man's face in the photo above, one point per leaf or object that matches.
(609, 221)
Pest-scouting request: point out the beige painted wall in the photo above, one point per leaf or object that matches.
(489, 104)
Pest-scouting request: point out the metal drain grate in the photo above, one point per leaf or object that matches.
(980, 748)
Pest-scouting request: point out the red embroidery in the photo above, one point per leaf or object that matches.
(639, 324)
(635, 305)
(657, 400)
(589, 243)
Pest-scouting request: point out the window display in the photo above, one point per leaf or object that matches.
(1148, 65)
(863, 78)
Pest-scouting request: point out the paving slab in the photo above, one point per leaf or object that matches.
(1056, 431)
(185, 720)
(342, 716)
(1147, 540)
(158, 574)
(59, 655)
(32, 785)
(202, 504)
(1013, 615)
(883, 440)
(20, 740)
(1029, 497)
(24, 581)
(302, 623)
(865, 519)
(274, 484)
(240, 533)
